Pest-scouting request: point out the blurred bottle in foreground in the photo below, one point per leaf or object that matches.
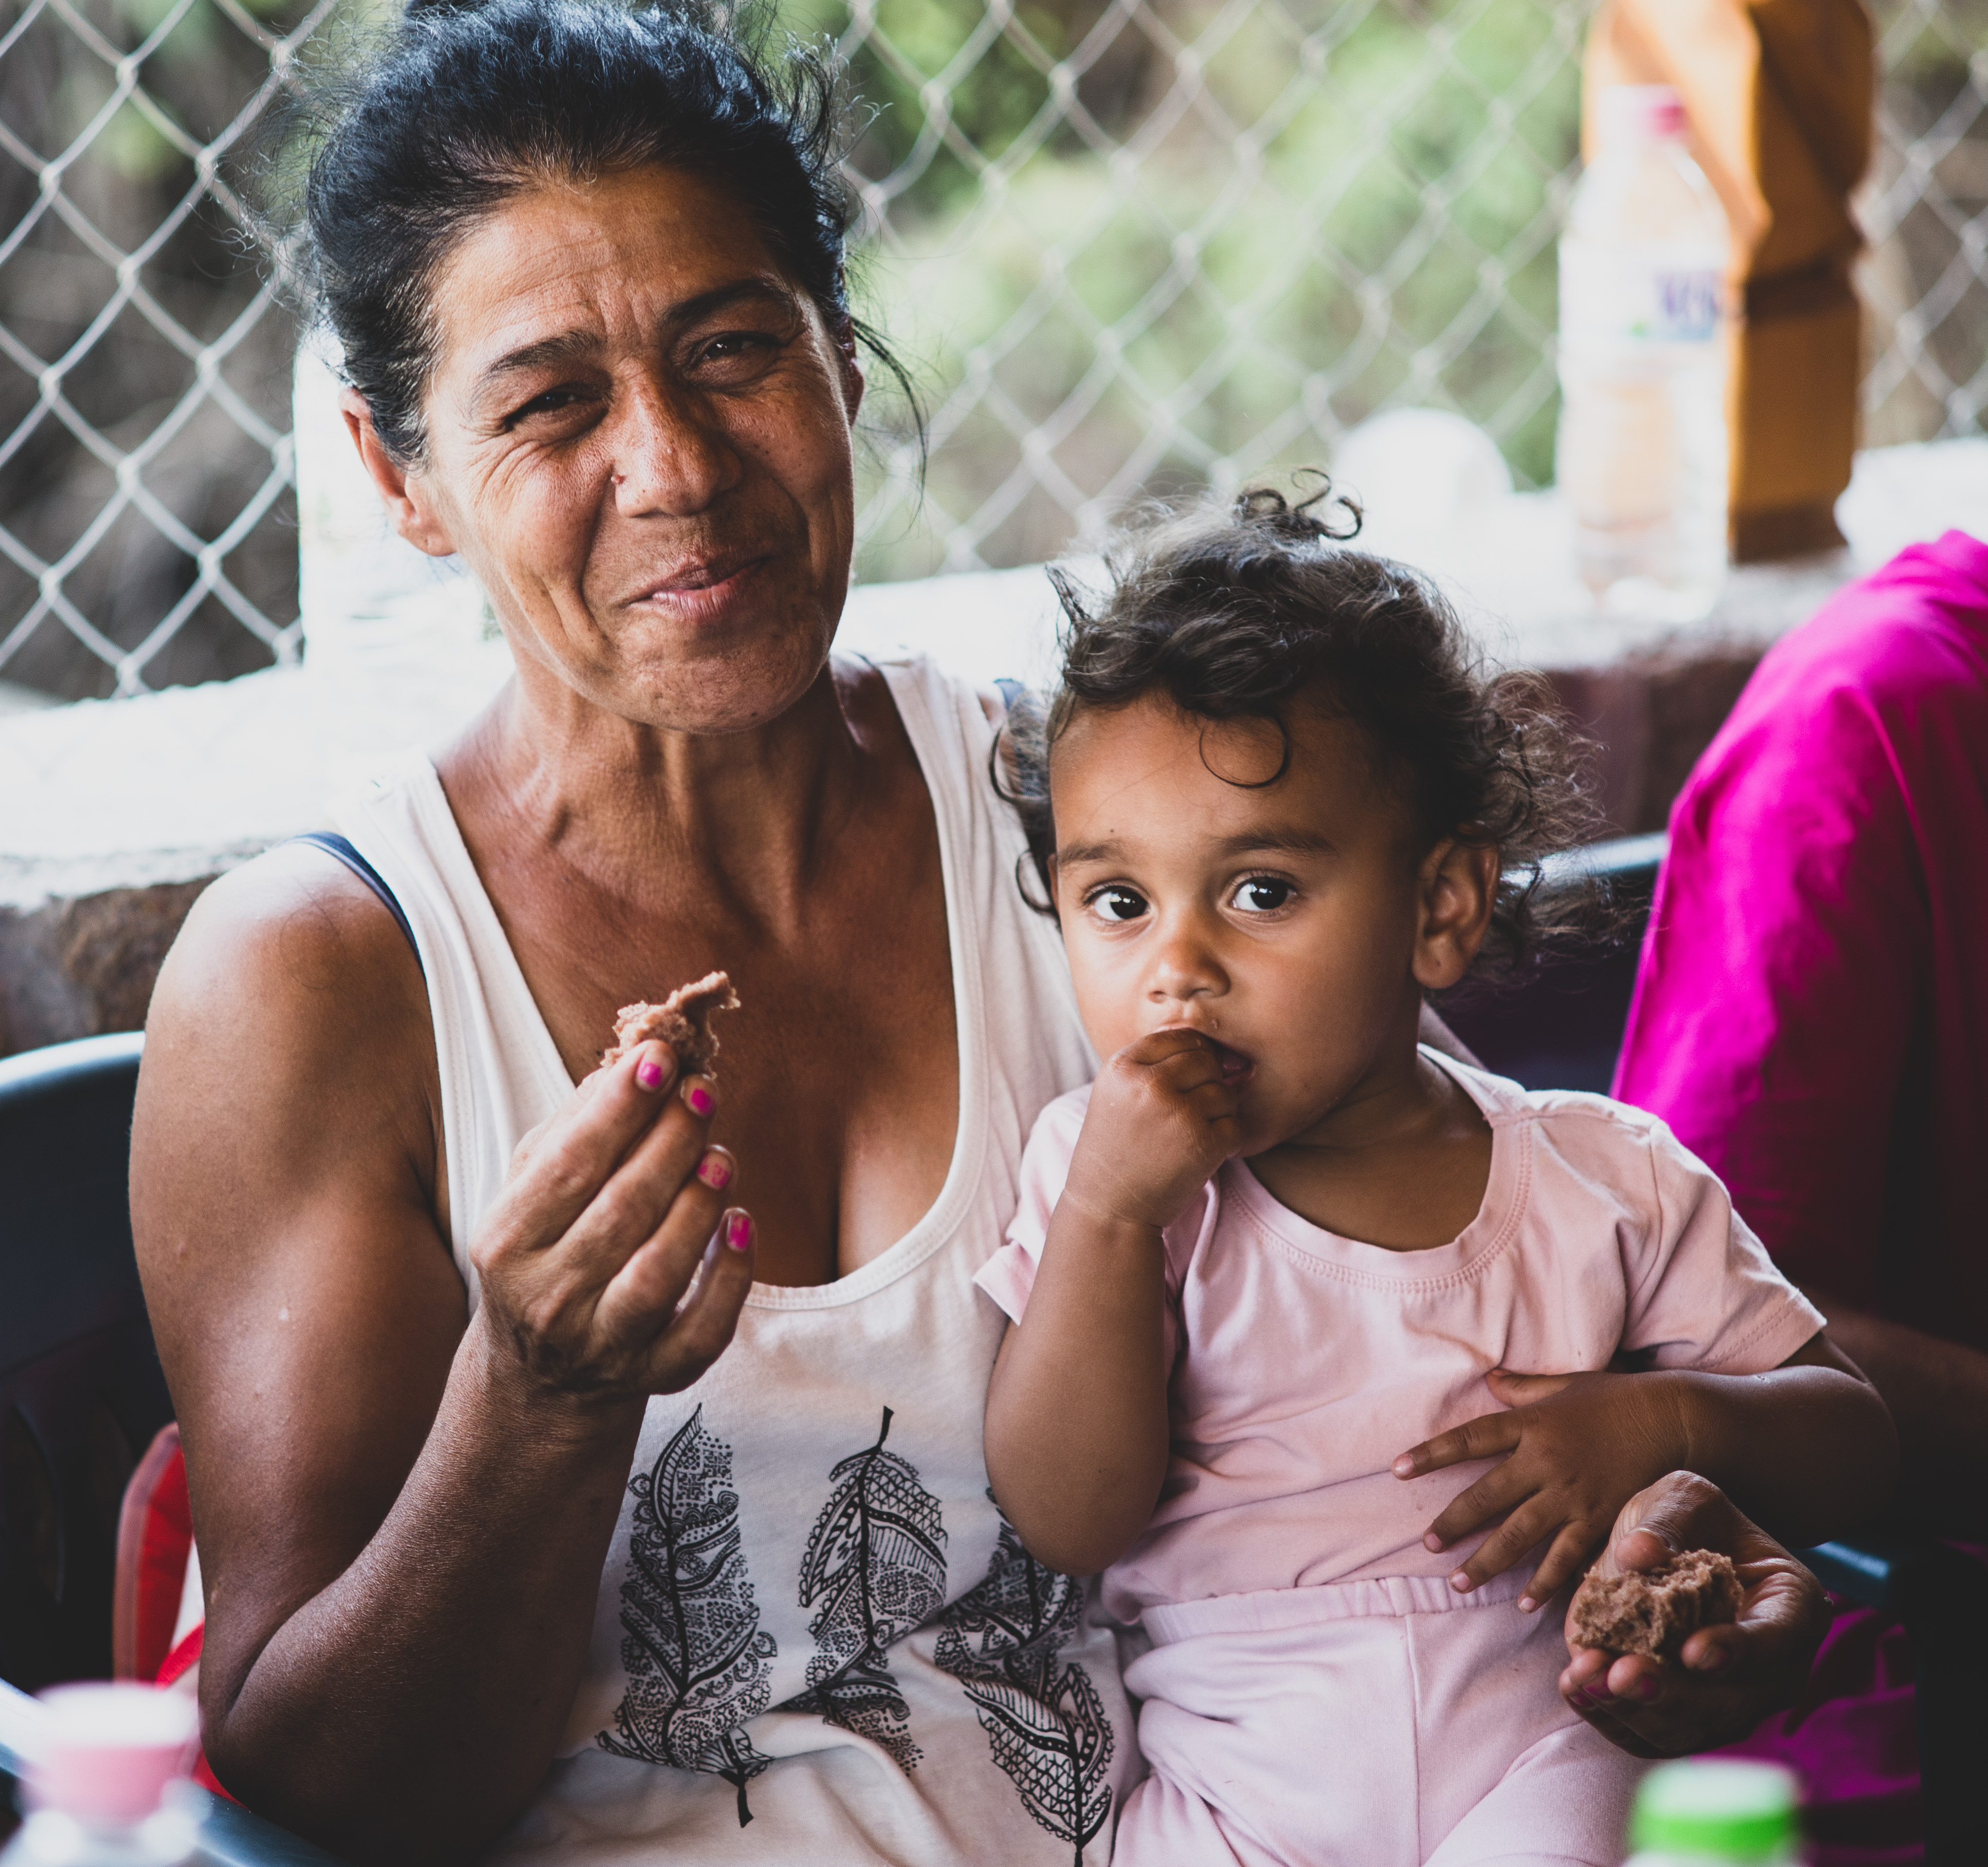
(106, 1786)
(1700, 1813)
(1642, 456)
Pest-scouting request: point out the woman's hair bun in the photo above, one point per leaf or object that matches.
(457, 106)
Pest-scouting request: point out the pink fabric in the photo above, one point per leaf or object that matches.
(1811, 1017)
(1316, 1692)
(1310, 1361)
(1365, 1724)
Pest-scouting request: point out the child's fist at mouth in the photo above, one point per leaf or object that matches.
(1164, 1115)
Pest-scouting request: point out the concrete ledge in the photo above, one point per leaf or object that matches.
(114, 814)
(83, 967)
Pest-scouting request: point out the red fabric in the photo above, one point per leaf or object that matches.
(162, 1566)
(182, 1660)
(154, 1539)
(178, 1662)
(155, 1532)
(1811, 1018)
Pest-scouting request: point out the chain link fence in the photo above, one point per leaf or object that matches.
(1924, 209)
(1129, 245)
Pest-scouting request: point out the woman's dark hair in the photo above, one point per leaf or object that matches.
(465, 106)
(1233, 610)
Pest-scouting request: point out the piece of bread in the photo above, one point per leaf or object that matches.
(1655, 1611)
(682, 1021)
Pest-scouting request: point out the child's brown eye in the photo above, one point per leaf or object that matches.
(1261, 895)
(1118, 904)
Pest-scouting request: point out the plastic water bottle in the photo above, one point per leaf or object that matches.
(1722, 1811)
(105, 1787)
(1642, 449)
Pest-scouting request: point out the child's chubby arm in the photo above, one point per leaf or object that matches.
(1807, 1448)
(1076, 1415)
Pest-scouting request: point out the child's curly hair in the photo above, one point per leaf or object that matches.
(1232, 610)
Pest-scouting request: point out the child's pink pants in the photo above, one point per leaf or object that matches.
(1380, 1723)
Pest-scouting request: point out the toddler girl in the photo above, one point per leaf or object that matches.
(1277, 1256)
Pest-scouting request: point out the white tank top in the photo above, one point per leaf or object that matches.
(813, 1618)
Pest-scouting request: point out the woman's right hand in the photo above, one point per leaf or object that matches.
(610, 1210)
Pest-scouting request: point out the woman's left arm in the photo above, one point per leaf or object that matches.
(1937, 1391)
(1808, 1448)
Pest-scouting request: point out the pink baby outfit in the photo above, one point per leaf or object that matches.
(1316, 1693)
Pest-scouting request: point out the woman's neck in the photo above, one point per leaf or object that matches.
(804, 859)
(634, 808)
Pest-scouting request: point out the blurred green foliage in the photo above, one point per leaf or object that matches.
(1197, 243)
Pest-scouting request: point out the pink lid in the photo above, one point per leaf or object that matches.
(1639, 113)
(107, 1752)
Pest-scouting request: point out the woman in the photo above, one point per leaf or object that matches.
(586, 268)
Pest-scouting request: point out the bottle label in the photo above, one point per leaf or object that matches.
(1651, 292)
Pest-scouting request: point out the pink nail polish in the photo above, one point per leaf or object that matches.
(699, 1099)
(649, 1075)
(738, 1232)
(715, 1171)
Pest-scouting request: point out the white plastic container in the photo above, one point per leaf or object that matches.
(1717, 1812)
(1641, 458)
(105, 1786)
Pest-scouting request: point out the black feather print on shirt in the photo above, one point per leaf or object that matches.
(875, 1563)
(1046, 1724)
(698, 1664)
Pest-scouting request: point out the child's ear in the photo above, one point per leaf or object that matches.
(1458, 883)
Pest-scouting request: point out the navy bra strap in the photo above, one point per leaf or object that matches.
(335, 845)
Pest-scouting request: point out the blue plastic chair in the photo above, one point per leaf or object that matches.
(81, 1393)
(80, 1389)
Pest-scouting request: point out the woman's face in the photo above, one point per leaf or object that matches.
(638, 442)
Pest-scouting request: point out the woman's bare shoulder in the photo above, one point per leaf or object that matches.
(286, 957)
(296, 911)
(288, 1044)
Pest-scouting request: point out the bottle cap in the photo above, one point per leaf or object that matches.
(108, 1752)
(1632, 114)
(1715, 1810)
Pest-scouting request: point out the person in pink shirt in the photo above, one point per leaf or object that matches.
(1281, 1278)
(1811, 1018)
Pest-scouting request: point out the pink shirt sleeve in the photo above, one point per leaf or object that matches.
(1703, 1291)
(1009, 1275)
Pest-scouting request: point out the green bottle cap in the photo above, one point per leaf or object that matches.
(1722, 1810)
